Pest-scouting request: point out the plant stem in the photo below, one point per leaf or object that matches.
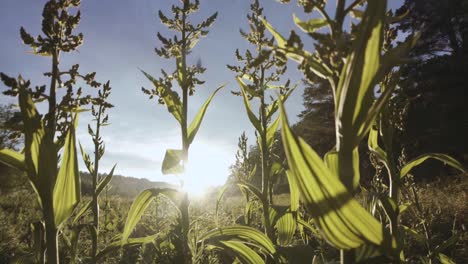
(348, 256)
(95, 206)
(51, 231)
(185, 144)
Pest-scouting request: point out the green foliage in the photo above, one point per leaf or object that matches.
(385, 223)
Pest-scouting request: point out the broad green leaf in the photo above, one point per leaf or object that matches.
(446, 159)
(253, 119)
(171, 98)
(310, 26)
(13, 159)
(243, 252)
(172, 163)
(248, 209)
(138, 207)
(271, 131)
(344, 223)
(344, 165)
(286, 226)
(34, 135)
(294, 191)
(390, 59)
(245, 233)
(356, 85)
(195, 125)
(67, 190)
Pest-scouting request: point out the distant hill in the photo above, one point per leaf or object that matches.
(122, 185)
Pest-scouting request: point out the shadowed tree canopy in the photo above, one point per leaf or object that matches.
(435, 81)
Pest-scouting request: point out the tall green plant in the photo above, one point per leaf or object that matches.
(101, 119)
(327, 186)
(57, 186)
(382, 144)
(177, 48)
(262, 73)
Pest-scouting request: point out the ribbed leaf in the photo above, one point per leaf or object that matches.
(348, 162)
(34, 147)
(253, 119)
(446, 159)
(195, 125)
(271, 131)
(246, 233)
(171, 98)
(356, 85)
(13, 159)
(67, 190)
(139, 206)
(294, 191)
(243, 252)
(172, 162)
(286, 226)
(310, 26)
(344, 223)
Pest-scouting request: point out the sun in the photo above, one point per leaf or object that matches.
(208, 166)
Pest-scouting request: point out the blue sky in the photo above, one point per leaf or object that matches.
(119, 38)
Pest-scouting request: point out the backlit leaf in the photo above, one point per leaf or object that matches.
(253, 119)
(446, 159)
(67, 190)
(310, 26)
(171, 98)
(286, 226)
(344, 223)
(172, 163)
(139, 206)
(245, 233)
(13, 159)
(195, 125)
(243, 252)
